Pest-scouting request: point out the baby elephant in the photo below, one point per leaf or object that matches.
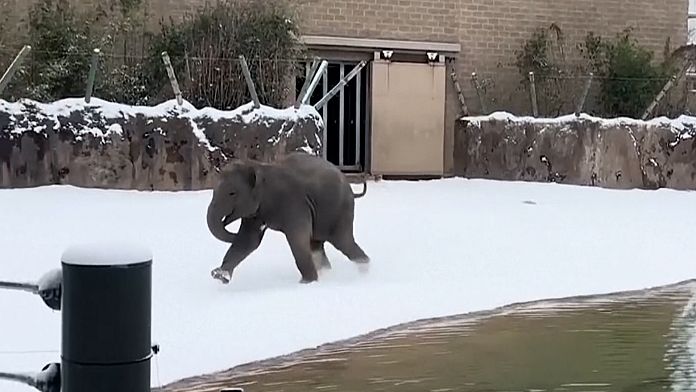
(303, 196)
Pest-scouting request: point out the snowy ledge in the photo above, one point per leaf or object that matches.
(164, 147)
(621, 153)
(679, 124)
(99, 109)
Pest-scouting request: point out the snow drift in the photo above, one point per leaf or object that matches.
(166, 147)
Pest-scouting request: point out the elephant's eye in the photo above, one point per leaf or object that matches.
(231, 193)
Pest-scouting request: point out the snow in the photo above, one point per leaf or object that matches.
(246, 113)
(438, 248)
(679, 125)
(106, 253)
(50, 280)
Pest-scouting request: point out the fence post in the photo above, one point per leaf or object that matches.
(7, 76)
(477, 87)
(585, 91)
(676, 77)
(315, 81)
(92, 75)
(172, 77)
(340, 84)
(308, 80)
(532, 92)
(106, 319)
(249, 81)
(460, 94)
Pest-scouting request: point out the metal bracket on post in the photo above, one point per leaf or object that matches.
(49, 288)
(314, 83)
(5, 79)
(340, 84)
(48, 380)
(307, 82)
(172, 78)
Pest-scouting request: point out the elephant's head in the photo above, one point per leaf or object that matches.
(236, 196)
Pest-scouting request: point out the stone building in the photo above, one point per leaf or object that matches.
(397, 116)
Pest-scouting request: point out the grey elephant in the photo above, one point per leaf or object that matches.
(303, 196)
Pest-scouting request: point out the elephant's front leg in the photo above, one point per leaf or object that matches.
(299, 241)
(248, 239)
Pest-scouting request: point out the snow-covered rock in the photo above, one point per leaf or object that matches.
(165, 147)
(613, 153)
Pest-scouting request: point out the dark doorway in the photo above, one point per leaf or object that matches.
(345, 115)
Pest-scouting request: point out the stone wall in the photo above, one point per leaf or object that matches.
(617, 153)
(167, 147)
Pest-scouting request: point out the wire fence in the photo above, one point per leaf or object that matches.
(217, 81)
(556, 95)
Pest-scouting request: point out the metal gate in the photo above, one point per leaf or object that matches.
(345, 115)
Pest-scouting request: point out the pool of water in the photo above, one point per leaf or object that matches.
(631, 342)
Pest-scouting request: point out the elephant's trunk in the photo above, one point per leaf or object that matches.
(217, 226)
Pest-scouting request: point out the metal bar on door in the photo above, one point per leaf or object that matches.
(325, 114)
(341, 117)
(358, 104)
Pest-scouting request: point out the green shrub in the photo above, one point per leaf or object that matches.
(544, 54)
(57, 63)
(204, 50)
(629, 79)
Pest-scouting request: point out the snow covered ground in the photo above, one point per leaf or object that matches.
(438, 248)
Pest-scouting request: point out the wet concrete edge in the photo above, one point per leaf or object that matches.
(282, 361)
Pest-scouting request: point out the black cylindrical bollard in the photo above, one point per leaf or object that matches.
(106, 319)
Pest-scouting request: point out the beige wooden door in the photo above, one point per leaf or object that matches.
(408, 118)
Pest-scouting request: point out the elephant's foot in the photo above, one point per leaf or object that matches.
(323, 266)
(307, 281)
(221, 275)
(363, 264)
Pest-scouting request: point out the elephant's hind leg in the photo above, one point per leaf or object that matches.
(321, 261)
(347, 245)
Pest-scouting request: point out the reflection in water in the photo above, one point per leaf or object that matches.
(642, 342)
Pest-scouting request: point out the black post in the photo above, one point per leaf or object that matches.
(106, 339)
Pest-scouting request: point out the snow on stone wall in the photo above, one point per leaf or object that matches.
(165, 147)
(618, 153)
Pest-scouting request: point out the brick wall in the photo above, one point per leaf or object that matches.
(398, 19)
(490, 30)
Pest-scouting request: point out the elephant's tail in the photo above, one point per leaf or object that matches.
(361, 194)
